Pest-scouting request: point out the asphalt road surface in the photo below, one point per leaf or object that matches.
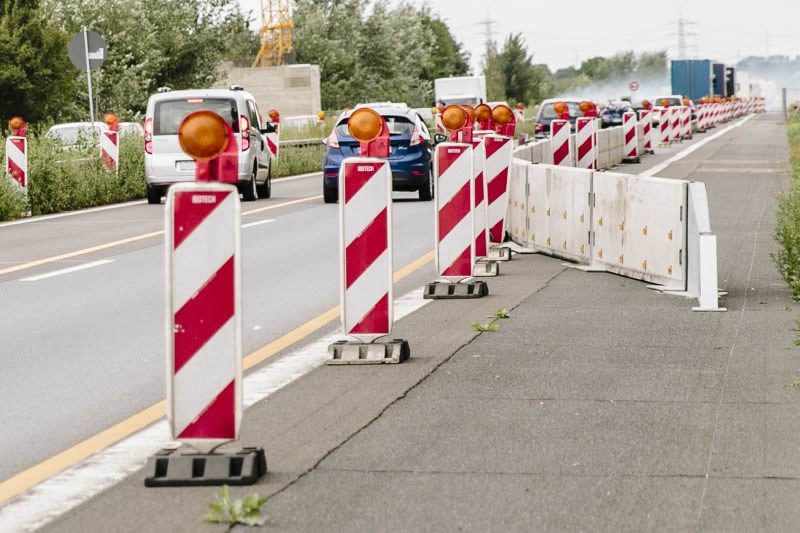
(84, 349)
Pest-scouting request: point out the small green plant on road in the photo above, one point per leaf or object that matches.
(225, 511)
(491, 326)
(501, 313)
(787, 229)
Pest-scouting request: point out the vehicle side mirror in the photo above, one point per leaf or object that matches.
(439, 138)
(269, 128)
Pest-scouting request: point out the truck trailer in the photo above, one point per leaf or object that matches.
(460, 90)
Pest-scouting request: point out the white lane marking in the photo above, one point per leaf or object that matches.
(69, 270)
(680, 155)
(59, 494)
(70, 213)
(44, 218)
(258, 223)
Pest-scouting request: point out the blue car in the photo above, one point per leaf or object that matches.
(410, 157)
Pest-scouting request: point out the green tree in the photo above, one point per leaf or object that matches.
(521, 80)
(652, 64)
(448, 58)
(36, 78)
(595, 68)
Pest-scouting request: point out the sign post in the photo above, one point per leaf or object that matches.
(87, 50)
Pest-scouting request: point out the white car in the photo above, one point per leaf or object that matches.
(164, 161)
(71, 132)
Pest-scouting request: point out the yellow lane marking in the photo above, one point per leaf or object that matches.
(69, 255)
(48, 468)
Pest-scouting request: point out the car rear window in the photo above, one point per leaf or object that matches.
(549, 112)
(672, 101)
(397, 126)
(168, 114)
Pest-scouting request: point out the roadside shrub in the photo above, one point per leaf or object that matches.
(300, 160)
(787, 229)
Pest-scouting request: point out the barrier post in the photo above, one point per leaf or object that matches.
(631, 137)
(559, 138)
(676, 125)
(686, 117)
(16, 163)
(646, 118)
(586, 142)
(365, 248)
(203, 318)
(273, 138)
(454, 198)
(483, 265)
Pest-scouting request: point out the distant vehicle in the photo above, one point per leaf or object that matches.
(693, 78)
(410, 152)
(469, 90)
(611, 114)
(547, 114)
(134, 128)
(72, 132)
(164, 161)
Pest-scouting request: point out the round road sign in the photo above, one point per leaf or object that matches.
(77, 50)
(633, 86)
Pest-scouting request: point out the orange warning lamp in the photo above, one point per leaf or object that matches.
(664, 102)
(470, 113)
(520, 106)
(370, 129)
(210, 140)
(17, 126)
(646, 104)
(454, 117)
(274, 116)
(686, 101)
(434, 111)
(202, 135)
(504, 120)
(562, 111)
(111, 121)
(483, 114)
(321, 115)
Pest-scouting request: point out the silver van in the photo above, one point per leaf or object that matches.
(164, 161)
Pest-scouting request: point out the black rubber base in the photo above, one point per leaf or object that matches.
(172, 469)
(438, 290)
(366, 353)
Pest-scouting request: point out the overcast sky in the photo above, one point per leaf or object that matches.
(563, 33)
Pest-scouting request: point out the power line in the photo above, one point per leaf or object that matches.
(682, 34)
(488, 32)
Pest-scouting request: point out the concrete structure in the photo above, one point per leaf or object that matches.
(291, 89)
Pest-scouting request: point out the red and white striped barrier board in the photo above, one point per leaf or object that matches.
(273, 140)
(519, 115)
(479, 208)
(646, 118)
(455, 231)
(701, 117)
(665, 125)
(17, 160)
(686, 122)
(559, 140)
(365, 238)
(675, 126)
(203, 322)
(585, 142)
(109, 150)
(499, 154)
(631, 135)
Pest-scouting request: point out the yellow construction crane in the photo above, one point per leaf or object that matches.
(276, 33)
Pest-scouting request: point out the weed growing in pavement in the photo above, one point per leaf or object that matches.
(501, 313)
(796, 384)
(787, 229)
(246, 512)
(491, 326)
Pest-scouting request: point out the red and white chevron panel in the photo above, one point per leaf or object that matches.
(274, 141)
(455, 227)
(585, 142)
(630, 134)
(559, 140)
(479, 206)
(701, 117)
(646, 118)
(365, 237)
(499, 154)
(664, 121)
(675, 126)
(204, 339)
(686, 122)
(17, 160)
(109, 150)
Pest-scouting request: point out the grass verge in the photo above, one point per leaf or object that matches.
(787, 230)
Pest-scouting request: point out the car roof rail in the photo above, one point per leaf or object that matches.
(236, 87)
(164, 89)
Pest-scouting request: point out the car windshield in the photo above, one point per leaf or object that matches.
(169, 114)
(397, 126)
(549, 112)
(71, 134)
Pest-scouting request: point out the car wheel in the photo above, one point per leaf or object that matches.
(249, 193)
(265, 190)
(330, 194)
(153, 195)
(426, 192)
